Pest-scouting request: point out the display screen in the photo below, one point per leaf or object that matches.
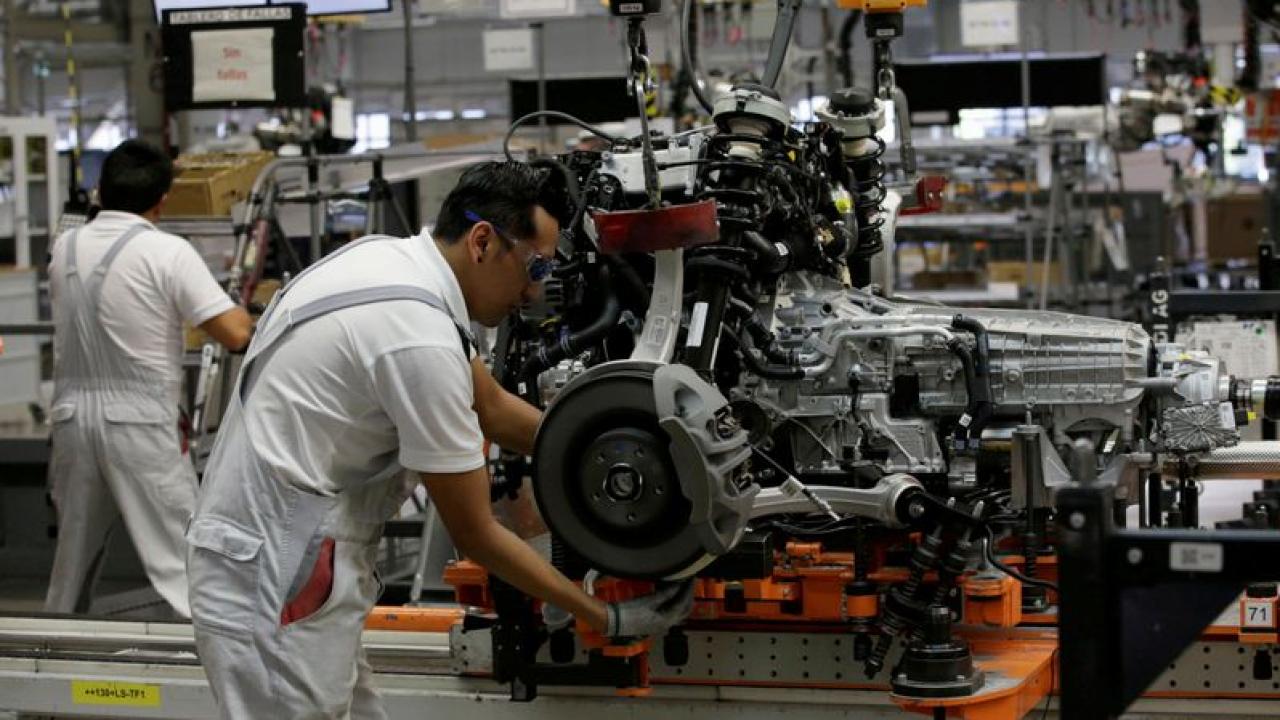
(592, 99)
(314, 7)
(960, 83)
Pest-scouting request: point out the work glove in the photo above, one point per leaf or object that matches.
(555, 618)
(652, 614)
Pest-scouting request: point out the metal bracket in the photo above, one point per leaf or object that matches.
(657, 340)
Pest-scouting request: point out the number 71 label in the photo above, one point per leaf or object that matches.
(1258, 613)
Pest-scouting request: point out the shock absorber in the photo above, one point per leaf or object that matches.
(751, 122)
(857, 115)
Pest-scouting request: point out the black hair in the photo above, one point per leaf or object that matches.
(503, 193)
(135, 176)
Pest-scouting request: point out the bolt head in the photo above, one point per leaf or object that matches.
(1076, 520)
(1134, 556)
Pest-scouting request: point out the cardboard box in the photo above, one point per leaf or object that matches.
(195, 338)
(947, 279)
(1234, 226)
(209, 185)
(1015, 271)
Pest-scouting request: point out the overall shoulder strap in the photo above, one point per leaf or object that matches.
(292, 318)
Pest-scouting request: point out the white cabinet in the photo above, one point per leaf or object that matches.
(20, 361)
(29, 190)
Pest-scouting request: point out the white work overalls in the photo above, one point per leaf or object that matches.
(116, 451)
(257, 542)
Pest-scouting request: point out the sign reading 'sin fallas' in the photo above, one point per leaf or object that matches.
(235, 57)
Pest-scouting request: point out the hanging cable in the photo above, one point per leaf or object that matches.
(688, 55)
(991, 558)
(506, 141)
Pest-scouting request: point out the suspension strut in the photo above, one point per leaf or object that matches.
(858, 115)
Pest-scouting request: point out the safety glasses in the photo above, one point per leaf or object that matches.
(537, 266)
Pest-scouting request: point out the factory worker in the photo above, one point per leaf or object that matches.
(121, 290)
(364, 368)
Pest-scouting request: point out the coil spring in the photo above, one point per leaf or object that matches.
(718, 147)
(564, 559)
(893, 624)
(868, 174)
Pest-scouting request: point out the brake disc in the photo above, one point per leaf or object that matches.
(605, 481)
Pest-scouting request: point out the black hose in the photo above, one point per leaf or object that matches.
(688, 55)
(577, 343)
(788, 11)
(704, 263)
(623, 271)
(977, 376)
(990, 553)
(845, 61)
(745, 348)
(768, 344)
(767, 253)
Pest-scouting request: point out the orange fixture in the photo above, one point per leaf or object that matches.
(993, 601)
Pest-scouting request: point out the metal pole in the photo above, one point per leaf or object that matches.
(540, 31)
(1050, 229)
(410, 99)
(11, 87)
(42, 74)
(1028, 237)
(316, 207)
(73, 93)
(828, 53)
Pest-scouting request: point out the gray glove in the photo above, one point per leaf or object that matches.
(652, 614)
(555, 618)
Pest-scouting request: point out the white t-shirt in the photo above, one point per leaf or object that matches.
(368, 390)
(157, 281)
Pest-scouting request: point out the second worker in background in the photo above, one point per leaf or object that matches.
(121, 290)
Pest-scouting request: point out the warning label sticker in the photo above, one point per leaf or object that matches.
(96, 692)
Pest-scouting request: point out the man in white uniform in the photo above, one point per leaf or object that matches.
(121, 290)
(361, 369)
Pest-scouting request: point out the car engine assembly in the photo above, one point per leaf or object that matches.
(728, 398)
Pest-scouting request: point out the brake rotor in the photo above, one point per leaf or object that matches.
(605, 481)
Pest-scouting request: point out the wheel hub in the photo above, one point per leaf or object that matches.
(625, 480)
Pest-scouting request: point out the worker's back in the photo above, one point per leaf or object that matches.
(343, 402)
(155, 282)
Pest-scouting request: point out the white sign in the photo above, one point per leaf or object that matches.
(232, 65)
(984, 23)
(524, 9)
(1195, 557)
(342, 124)
(1247, 348)
(506, 50)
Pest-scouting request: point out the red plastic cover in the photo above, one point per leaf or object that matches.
(675, 226)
